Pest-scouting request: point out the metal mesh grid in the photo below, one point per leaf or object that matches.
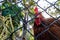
(44, 10)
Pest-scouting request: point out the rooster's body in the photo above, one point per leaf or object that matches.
(38, 27)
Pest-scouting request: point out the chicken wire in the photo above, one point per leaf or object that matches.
(26, 21)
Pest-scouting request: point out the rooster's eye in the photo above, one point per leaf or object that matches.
(37, 16)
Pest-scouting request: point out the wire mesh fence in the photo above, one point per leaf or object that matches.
(25, 22)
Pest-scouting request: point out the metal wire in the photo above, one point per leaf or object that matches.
(44, 10)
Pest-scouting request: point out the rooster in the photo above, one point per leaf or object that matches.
(38, 27)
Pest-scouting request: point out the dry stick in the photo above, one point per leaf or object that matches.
(12, 26)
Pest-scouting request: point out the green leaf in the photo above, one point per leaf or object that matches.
(58, 3)
(31, 3)
(24, 1)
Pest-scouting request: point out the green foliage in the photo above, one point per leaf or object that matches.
(24, 1)
(13, 10)
(58, 0)
(58, 3)
(31, 2)
(10, 9)
(12, 14)
(14, 0)
(5, 27)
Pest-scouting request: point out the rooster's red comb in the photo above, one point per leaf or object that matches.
(36, 10)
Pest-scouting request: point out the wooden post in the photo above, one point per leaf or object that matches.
(0, 12)
(25, 26)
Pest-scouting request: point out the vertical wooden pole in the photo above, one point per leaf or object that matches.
(25, 26)
(0, 12)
